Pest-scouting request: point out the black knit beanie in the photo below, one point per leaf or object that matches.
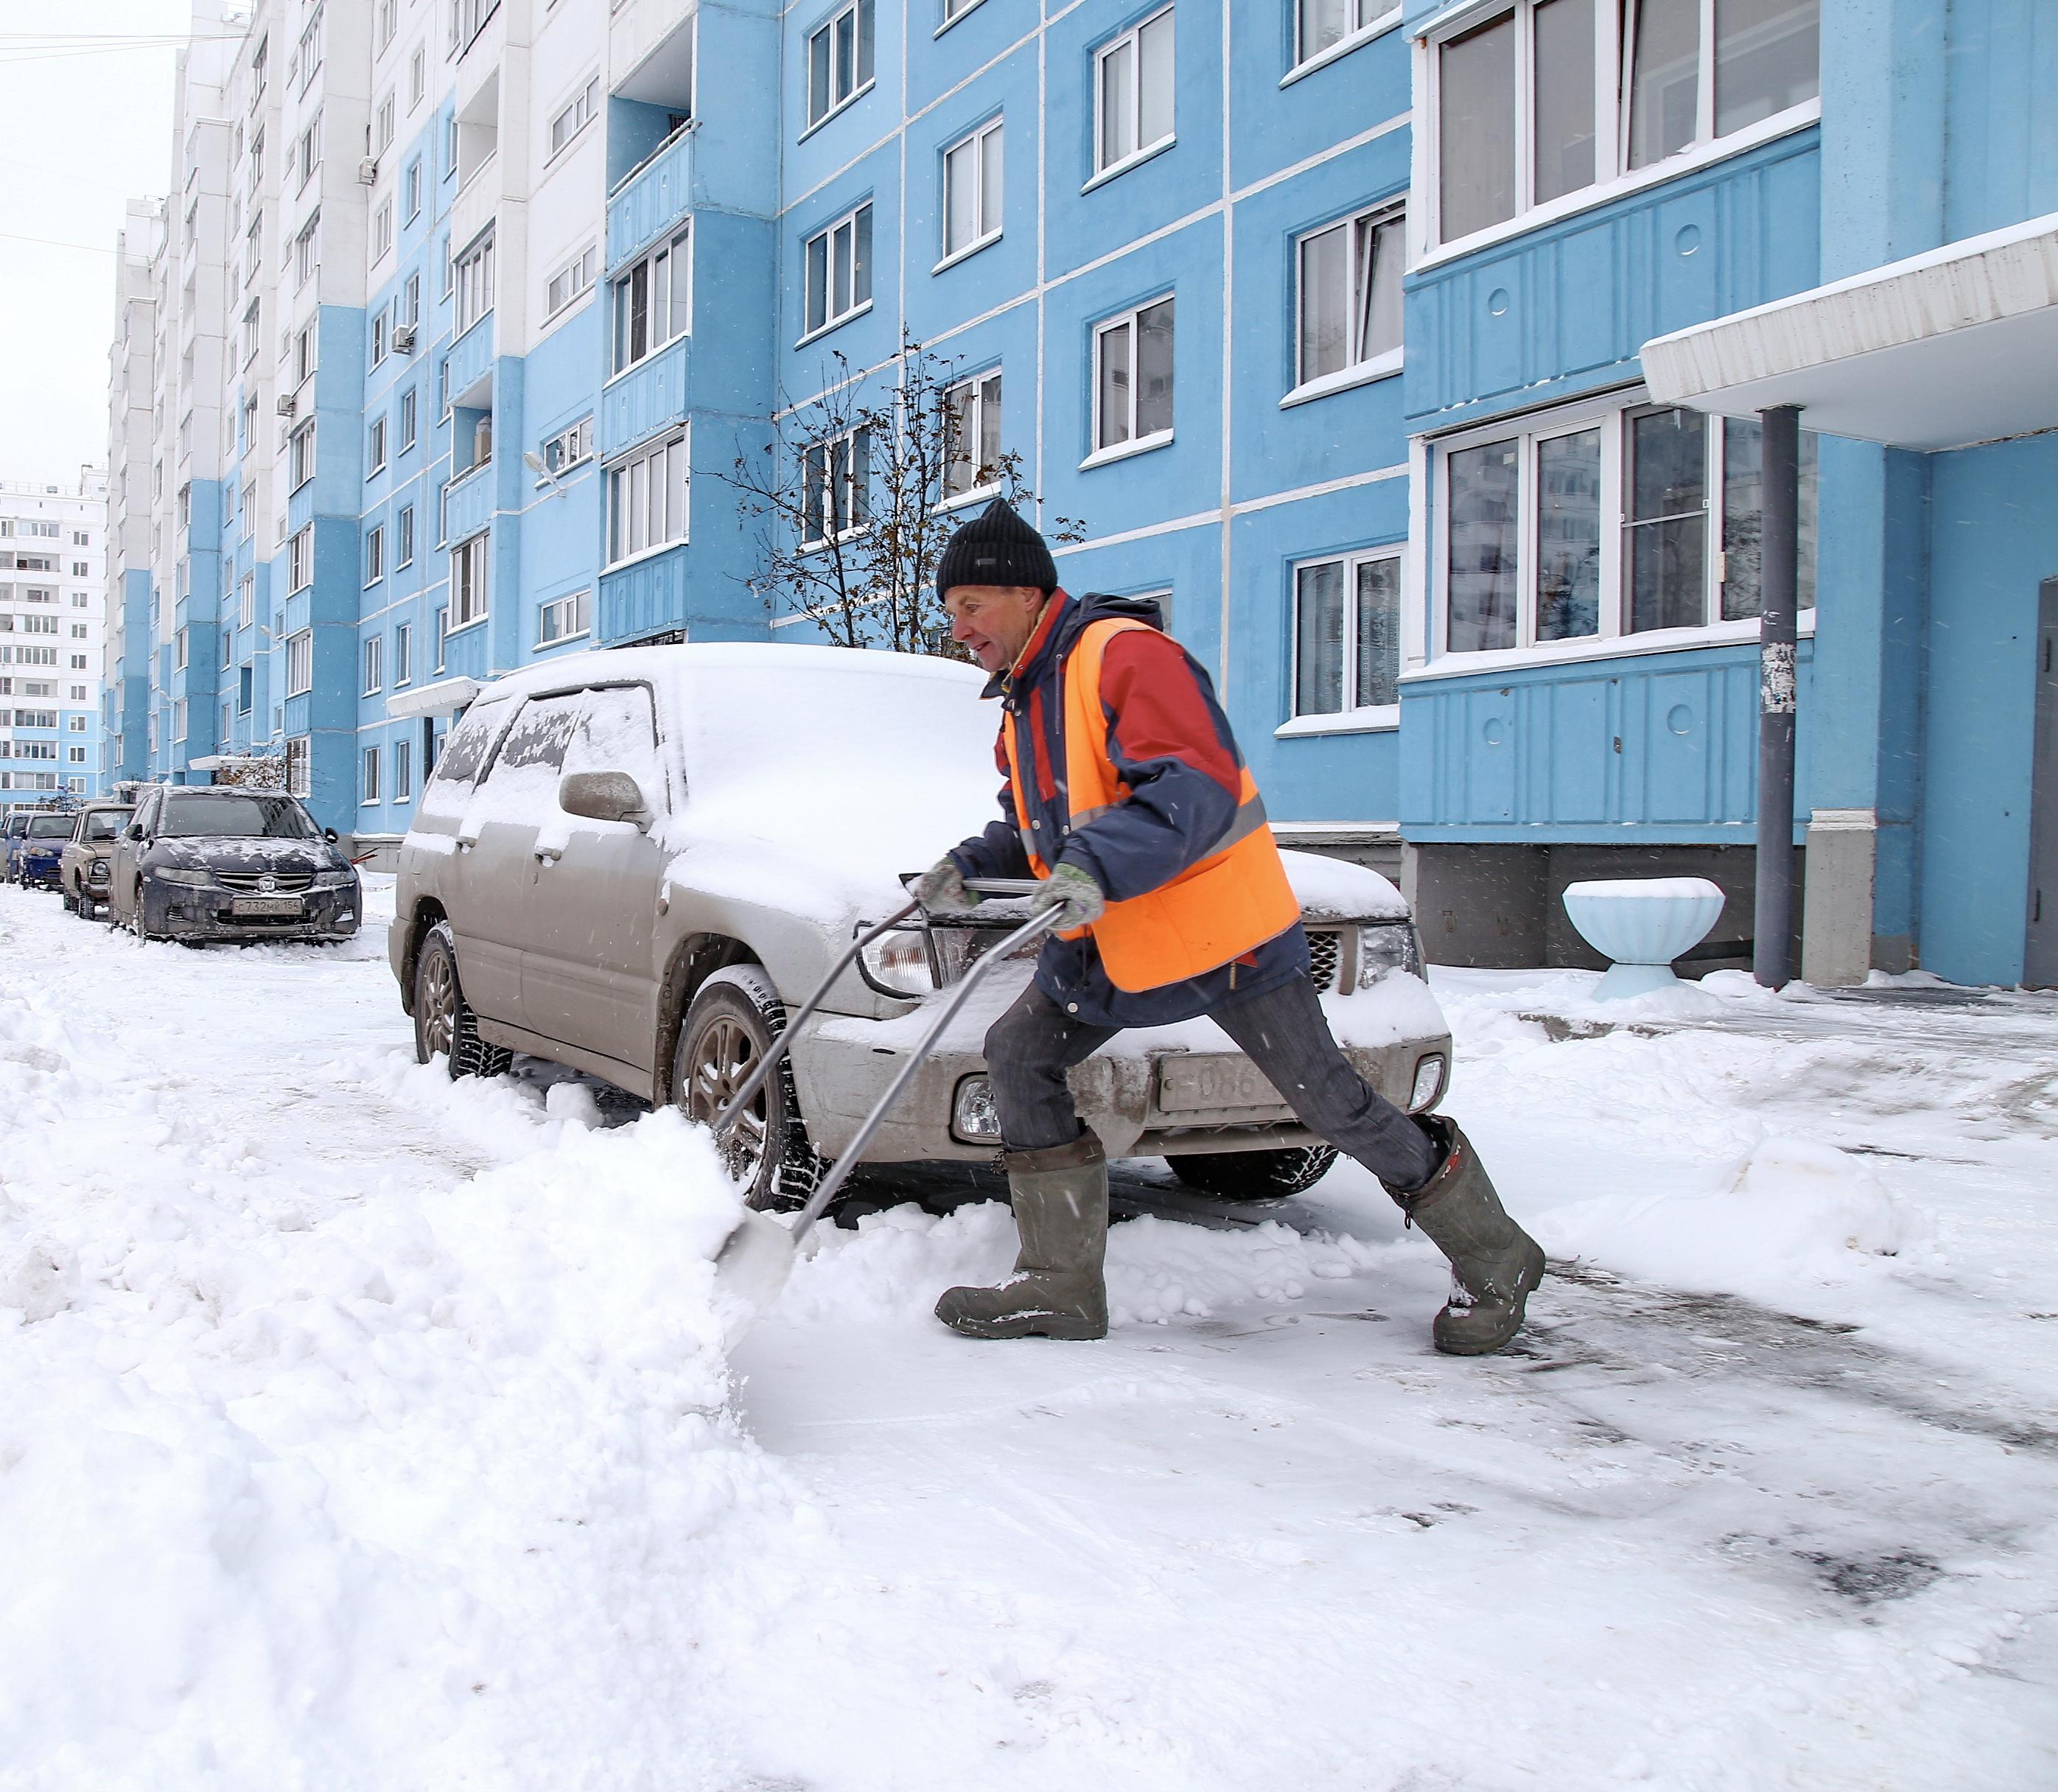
(996, 547)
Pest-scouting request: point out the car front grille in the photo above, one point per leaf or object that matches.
(284, 883)
(1325, 956)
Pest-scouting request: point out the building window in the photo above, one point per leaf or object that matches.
(653, 302)
(388, 22)
(1350, 296)
(468, 581)
(473, 272)
(296, 766)
(379, 336)
(569, 446)
(307, 255)
(381, 128)
(1347, 633)
(418, 77)
(375, 555)
(443, 635)
(971, 436)
(838, 62)
(403, 533)
(404, 654)
(411, 190)
(839, 270)
(403, 770)
(307, 153)
(1533, 124)
(1133, 94)
(411, 301)
(571, 282)
(575, 117)
(381, 229)
(565, 619)
(647, 500)
(300, 560)
(837, 487)
(375, 447)
(246, 600)
(178, 728)
(1132, 358)
(371, 776)
(374, 676)
(299, 663)
(1533, 552)
(300, 456)
(406, 420)
(1324, 24)
(971, 191)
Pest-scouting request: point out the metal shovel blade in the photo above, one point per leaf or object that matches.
(749, 1270)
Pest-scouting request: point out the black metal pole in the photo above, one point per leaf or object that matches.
(1779, 550)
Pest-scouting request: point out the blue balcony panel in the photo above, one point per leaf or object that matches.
(645, 598)
(470, 360)
(651, 198)
(468, 503)
(646, 399)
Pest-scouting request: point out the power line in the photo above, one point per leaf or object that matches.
(52, 243)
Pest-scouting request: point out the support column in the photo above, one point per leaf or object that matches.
(1773, 919)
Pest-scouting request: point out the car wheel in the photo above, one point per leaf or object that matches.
(445, 1026)
(1255, 1175)
(733, 1020)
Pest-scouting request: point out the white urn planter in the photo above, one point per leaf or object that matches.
(1642, 923)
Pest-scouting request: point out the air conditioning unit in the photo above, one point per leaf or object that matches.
(403, 339)
(287, 404)
(368, 171)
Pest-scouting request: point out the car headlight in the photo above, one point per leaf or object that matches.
(974, 1118)
(96, 872)
(335, 879)
(1389, 946)
(199, 879)
(1428, 1083)
(897, 963)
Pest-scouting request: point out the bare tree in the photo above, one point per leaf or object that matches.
(855, 498)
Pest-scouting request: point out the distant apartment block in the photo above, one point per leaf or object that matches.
(52, 636)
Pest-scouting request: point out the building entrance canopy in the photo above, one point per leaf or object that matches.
(1953, 346)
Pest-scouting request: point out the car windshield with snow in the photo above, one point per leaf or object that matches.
(634, 863)
(214, 863)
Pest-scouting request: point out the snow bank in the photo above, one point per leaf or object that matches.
(399, 1491)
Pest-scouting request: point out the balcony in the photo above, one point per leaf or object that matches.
(644, 399)
(468, 503)
(468, 367)
(651, 197)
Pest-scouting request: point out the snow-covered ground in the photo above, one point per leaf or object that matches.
(362, 1430)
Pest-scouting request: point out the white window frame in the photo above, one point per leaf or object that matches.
(371, 793)
(403, 769)
(1360, 368)
(411, 190)
(404, 654)
(1613, 635)
(298, 758)
(823, 101)
(1353, 717)
(572, 281)
(246, 600)
(1369, 19)
(403, 541)
(987, 148)
(836, 488)
(566, 619)
(374, 654)
(472, 276)
(1132, 443)
(857, 221)
(307, 256)
(659, 473)
(300, 560)
(568, 448)
(383, 126)
(409, 424)
(1614, 51)
(300, 662)
(375, 554)
(1106, 167)
(470, 580)
(969, 402)
(659, 266)
(570, 122)
(300, 456)
(381, 230)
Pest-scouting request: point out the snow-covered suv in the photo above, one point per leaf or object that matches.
(634, 862)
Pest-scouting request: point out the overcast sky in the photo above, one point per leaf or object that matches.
(83, 127)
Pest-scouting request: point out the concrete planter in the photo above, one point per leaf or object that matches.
(1642, 923)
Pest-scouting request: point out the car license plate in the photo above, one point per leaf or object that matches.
(1193, 1084)
(264, 905)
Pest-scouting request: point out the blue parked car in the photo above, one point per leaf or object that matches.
(33, 855)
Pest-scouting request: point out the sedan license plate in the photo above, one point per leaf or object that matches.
(264, 905)
(1194, 1084)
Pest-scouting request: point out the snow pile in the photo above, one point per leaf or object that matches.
(400, 1491)
(1792, 1212)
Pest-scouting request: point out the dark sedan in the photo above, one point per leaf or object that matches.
(206, 864)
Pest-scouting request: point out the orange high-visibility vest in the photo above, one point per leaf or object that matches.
(1217, 909)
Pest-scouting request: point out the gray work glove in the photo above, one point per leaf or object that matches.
(941, 889)
(1071, 890)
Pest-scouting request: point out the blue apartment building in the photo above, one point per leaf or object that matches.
(1411, 353)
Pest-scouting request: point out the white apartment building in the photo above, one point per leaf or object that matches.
(53, 635)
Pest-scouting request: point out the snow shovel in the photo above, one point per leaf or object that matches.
(756, 1257)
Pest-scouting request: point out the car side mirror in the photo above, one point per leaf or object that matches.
(603, 797)
(134, 830)
(331, 836)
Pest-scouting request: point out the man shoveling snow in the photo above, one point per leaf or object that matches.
(1126, 794)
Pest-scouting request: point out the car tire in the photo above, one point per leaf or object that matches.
(445, 1025)
(734, 1019)
(1255, 1175)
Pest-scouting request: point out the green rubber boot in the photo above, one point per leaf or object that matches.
(1494, 1263)
(1060, 1199)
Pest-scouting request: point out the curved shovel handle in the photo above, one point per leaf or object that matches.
(772, 1059)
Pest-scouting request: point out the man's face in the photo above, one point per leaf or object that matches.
(995, 621)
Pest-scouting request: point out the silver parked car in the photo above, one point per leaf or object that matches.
(634, 862)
